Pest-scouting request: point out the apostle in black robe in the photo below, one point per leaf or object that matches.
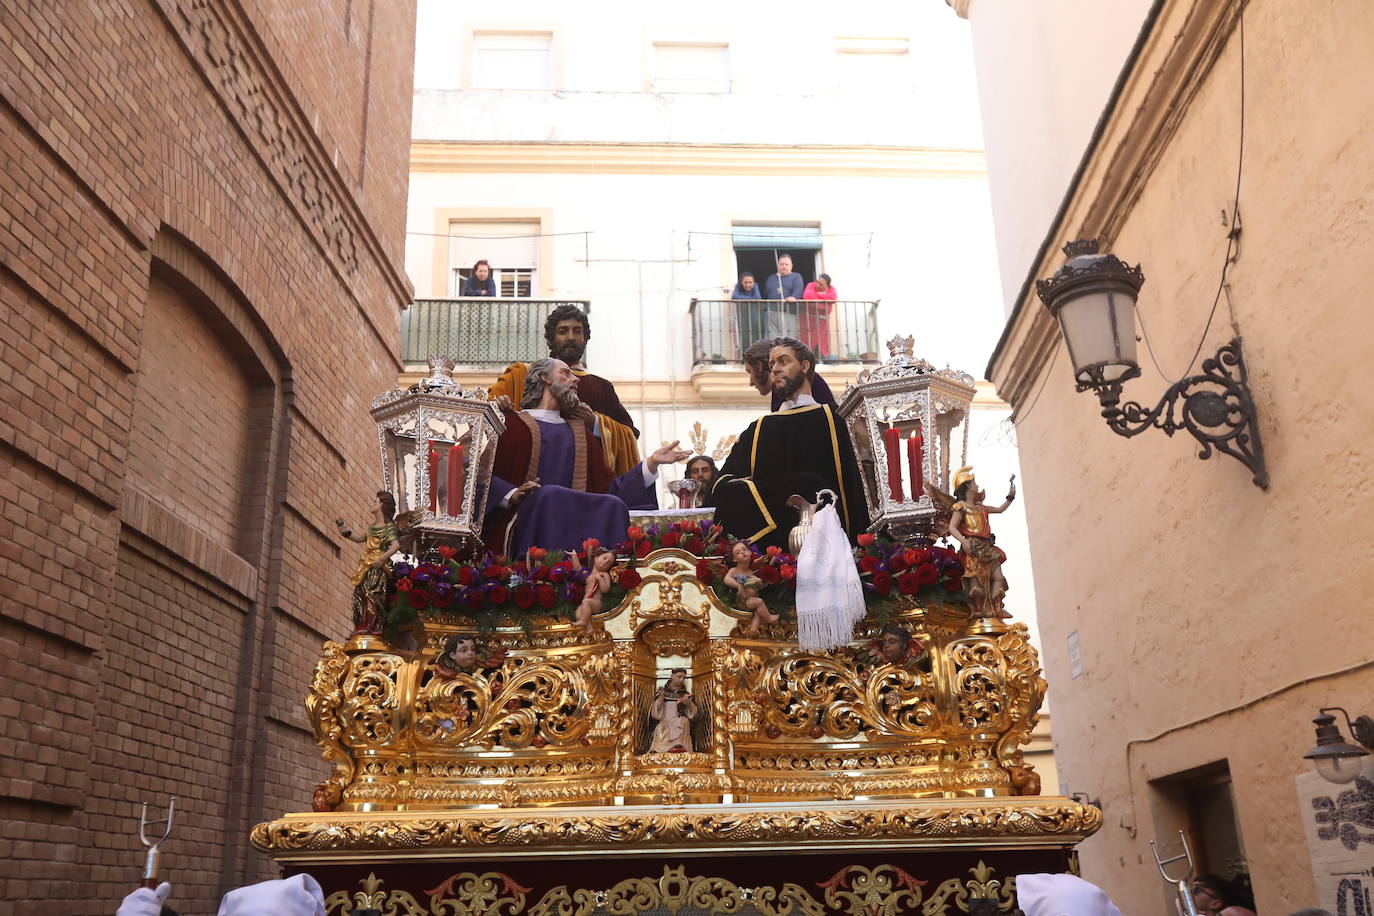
(801, 448)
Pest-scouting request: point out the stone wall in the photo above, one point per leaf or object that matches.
(1213, 617)
(201, 215)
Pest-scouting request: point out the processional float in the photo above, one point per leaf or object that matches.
(490, 756)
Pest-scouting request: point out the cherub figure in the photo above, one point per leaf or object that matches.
(371, 579)
(978, 550)
(741, 578)
(598, 583)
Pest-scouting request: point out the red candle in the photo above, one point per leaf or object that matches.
(915, 459)
(455, 480)
(433, 478)
(891, 440)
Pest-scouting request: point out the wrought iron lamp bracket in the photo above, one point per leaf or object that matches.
(1213, 405)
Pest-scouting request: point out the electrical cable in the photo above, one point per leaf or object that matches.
(1049, 370)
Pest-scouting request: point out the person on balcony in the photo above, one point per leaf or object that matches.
(746, 288)
(799, 449)
(756, 367)
(550, 484)
(480, 282)
(567, 331)
(815, 315)
(784, 286)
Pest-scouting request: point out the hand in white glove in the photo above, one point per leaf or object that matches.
(144, 902)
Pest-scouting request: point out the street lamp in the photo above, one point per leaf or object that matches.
(1092, 296)
(1334, 759)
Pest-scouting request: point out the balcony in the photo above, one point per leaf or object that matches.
(481, 335)
(840, 332)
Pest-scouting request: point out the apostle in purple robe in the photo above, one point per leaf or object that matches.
(550, 484)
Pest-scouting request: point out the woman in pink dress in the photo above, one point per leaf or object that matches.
(815, 315)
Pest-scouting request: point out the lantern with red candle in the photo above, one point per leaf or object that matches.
(438, 443)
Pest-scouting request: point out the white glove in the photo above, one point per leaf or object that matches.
(299, 895)
(144, 902)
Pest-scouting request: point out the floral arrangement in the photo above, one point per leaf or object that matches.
(888, 569)
(549, 583)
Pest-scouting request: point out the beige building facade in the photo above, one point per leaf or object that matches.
(1193, 623)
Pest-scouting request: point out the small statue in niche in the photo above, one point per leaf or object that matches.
(741, 578)
(598, 583)
(978, 550)
(673, 708)
(371, 580)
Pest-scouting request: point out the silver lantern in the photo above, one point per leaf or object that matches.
(438, 444)
(902, 418)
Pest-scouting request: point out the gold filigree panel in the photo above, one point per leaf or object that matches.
(855, 890)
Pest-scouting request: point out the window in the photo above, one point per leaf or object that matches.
(682, 67)
(512, 60)
(863, 65)
(512, 250)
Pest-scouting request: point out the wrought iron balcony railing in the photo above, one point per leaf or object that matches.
(843, 331)
(478, 332)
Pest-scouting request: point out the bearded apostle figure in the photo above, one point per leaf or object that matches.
(799, 449)
(567, 331)
(550, 485)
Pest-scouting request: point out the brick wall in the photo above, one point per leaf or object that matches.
(201, 214)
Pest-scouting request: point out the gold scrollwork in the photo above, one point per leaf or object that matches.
(855, 890)
(921, 823)
(322, 708)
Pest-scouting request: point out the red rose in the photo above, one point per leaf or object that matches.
(475, 599)
(447, 552)
(774, 551)
(927, 573)
(495, 572)
(915, 556)
(769, 574)
(524, 597)
(789, 572)
(670, 538)
(466, 575)
(419, 599)
(868, 564)
(634, 533)
(705, 574)
(643, 548)
(590, 544)
(629, 579)
(546, 595)
(444, 598)
(882, 583)
(497, 595)
(693, 544)
(538, 553)
(895, 563)
(865, 540)
(404, 584)
(908, 583)
(687, 527)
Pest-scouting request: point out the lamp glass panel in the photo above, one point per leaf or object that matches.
(1339, 770)
(1092, 335)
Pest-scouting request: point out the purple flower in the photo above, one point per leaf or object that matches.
(402, 569)
(570, 593)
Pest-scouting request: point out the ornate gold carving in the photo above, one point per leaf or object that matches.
(322, 708)
(855, 890)
(982, 886)
(883, 891)
(919, 823)
(490, 894)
